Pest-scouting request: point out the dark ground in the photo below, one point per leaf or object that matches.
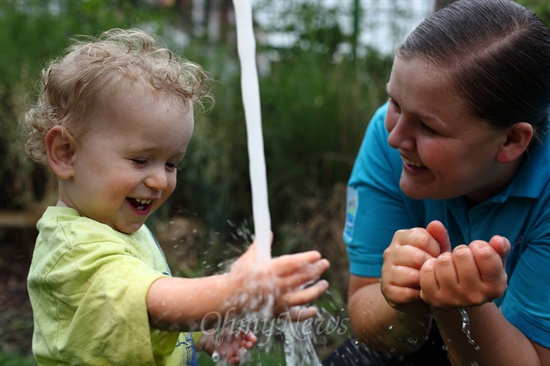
(16, 322)
(15, 309)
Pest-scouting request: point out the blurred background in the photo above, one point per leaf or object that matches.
(323, 66)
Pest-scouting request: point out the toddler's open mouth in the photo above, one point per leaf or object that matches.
(140, 204)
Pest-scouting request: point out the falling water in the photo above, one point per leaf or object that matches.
(466, 327)
(251, 100)
(246, 44)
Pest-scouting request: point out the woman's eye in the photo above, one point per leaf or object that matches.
(394, 104)
(427, 128)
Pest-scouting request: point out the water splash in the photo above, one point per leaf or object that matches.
(216, 356)
(281, 341)
(299, 348)
(466, 327)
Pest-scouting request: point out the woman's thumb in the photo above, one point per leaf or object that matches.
(438, 231)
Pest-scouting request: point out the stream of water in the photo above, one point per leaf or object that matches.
(246, 44)
(295, 346)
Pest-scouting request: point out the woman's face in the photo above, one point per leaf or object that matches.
(446, 151)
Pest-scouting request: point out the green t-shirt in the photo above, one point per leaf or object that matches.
(88, 286)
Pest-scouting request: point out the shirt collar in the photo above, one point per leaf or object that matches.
(534, 174)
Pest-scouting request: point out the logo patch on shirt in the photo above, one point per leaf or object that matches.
(352, 202)
(190, 354)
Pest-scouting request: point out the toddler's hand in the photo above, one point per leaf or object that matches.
(277, 285)
(228, 346)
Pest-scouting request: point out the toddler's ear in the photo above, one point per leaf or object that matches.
(60, 146)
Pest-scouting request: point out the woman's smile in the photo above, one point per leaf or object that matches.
(412, 163)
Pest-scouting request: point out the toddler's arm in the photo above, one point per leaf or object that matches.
(266, 288)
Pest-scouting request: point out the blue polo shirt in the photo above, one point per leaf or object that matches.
(376, 208)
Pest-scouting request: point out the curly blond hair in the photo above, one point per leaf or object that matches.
(92, 67)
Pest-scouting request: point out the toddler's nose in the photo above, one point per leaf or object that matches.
(157, 180)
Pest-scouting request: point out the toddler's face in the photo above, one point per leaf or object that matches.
(125, 164)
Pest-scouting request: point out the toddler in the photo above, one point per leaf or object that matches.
(112, 121)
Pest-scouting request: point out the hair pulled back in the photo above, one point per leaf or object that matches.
(497, 54)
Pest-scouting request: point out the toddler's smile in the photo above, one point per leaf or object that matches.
(141, 205)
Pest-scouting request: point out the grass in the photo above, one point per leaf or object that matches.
(8, 358)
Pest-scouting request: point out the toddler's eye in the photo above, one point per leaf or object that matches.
(139, 161)
(172, 166)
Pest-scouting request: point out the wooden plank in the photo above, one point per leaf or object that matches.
(18, 219)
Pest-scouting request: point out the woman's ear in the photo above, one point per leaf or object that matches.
(60, 148)
(517, 140)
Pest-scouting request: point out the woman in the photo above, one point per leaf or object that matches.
(448, 222)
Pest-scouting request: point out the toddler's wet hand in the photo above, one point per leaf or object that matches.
(229, 345)
(280, 283)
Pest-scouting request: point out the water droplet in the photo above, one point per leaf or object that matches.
(215, 356)
(466, 327)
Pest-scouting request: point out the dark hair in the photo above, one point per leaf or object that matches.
(498, 56)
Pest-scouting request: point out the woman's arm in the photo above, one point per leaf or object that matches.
(471, 277)
(379, 325)
(493, 340)
(389, 314)
(376, 210)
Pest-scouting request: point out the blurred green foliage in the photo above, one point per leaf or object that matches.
(315, 105)
(540, 7)
(16, 359)
(32, 32)
(316, 101)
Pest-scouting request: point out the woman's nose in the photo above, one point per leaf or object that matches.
(401, 134)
